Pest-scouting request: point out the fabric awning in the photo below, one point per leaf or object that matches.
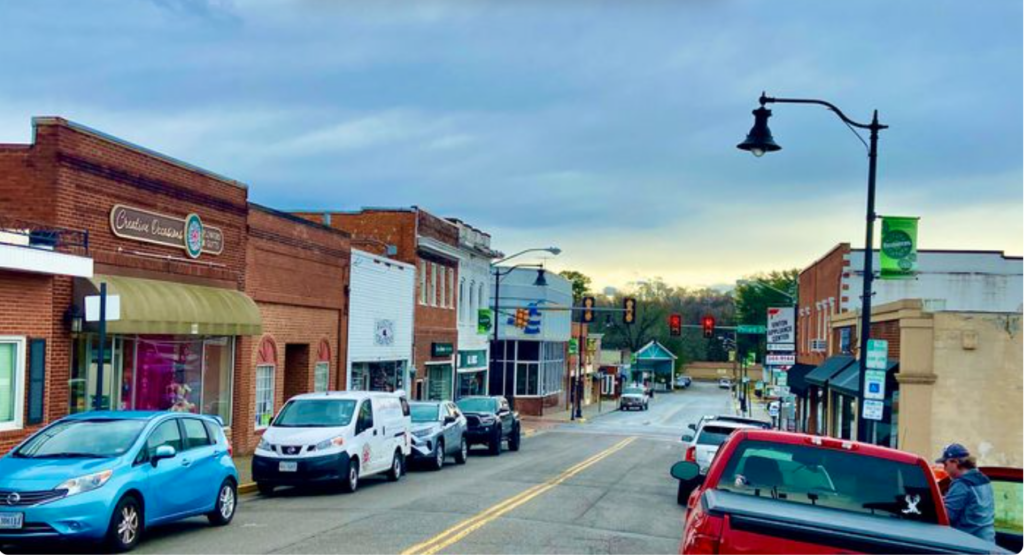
(795, 378)
(848, 382)
(821, 375)
(150, 306)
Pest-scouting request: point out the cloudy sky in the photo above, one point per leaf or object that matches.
(605, 128)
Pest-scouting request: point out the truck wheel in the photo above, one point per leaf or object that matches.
(350, 482)
(397, 467)
(463, 455)
(494, 445)
(438, 460)
(513, 440)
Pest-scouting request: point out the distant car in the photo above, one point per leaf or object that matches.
(110, 475)
(438, 431)
(338, 437)
(683, 382)
(634, 398)
(764, 424)
(708, 437)
(490, 421)
(724, 383)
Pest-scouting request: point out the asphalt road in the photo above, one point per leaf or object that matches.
(596, 487)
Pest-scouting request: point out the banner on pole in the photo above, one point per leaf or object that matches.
(899, 247)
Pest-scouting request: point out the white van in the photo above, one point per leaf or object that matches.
(334, 437)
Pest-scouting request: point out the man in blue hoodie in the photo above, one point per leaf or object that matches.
(969, 501)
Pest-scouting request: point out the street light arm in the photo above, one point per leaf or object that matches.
(773, 100)
(552, 250)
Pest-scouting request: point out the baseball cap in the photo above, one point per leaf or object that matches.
(953, 451)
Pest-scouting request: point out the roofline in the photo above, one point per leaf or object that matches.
(56, 120)
(295, 219)
(824, 256)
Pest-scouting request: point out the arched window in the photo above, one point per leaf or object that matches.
(266, 364)
(322, 370)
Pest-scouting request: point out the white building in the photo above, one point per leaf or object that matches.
(475, 256)
(380, 323)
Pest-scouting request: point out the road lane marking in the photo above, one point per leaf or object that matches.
(470, 525)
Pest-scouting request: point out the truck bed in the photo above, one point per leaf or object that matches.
(808, 529)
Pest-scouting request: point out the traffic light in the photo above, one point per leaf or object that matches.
(675, 325)
(588, 310)
(707, 325)
(629, 310)
(522, 317)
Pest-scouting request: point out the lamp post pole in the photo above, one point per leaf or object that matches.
(759, 141)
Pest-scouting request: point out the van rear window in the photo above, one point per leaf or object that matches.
(831, 478)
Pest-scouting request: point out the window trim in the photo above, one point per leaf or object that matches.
(273, 386)
(20, 354)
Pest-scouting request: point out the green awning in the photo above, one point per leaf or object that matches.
(150, 306)
(848, 382)
(832, 366)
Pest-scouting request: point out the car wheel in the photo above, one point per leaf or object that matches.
(494, 445)
(397, 468)
(227, 502)
(350, 483)
(463, 455)
(125, 525)
(682, 494)
(513, 440)
(265, 489)
(438, 462)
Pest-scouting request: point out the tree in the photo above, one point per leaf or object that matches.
(580, 284)
(754, 294)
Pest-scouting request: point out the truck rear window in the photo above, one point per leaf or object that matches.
(831, 478)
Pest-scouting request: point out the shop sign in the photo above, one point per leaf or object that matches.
(873, 409)
(472, 359)
(781, 333)
(484, 321)
(384, 333)
(780, 359)
(441, 349)
(188, 233)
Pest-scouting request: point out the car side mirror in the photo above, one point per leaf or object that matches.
(502, 411)
(692, 427)
(449, 419)
(163, 452)
(686, 471)
(687, 438)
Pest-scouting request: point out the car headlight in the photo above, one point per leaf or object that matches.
(422, 433)
(86, 483)
(265, 445)
(328, 443)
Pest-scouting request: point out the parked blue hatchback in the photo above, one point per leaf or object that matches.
(107, 476)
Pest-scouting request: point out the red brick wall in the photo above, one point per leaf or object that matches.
(818, 282)
(888, 330)
(372, 229)
(32, 306)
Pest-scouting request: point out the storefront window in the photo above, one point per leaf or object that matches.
(321, 377)
(264, 395)
(218, 369)
(471, 383)
(12, 350)
(439, 382)
(526, 378)
(378, 376)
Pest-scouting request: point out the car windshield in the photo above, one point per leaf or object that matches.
(316, 413)
(831, 478)
(478, 404)
(425, 412)
(714, 435)
(98, 439)
(633, 391)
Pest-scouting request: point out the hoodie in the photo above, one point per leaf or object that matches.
(971, 505)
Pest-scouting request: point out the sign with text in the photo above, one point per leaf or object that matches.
(92, 308)
(750, 329)
(781, 333)
(874, 384)
(186, 233)
(873, 409)
(473, 359)
(898, 254)
(781, 378)
(878, 354)
(780, 359)
(441, 349)
(483, 321)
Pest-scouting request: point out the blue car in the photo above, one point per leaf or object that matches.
(107, 476)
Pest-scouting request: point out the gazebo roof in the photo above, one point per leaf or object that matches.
(654, 351)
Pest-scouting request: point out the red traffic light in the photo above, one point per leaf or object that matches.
(675, 324)
(707, 325)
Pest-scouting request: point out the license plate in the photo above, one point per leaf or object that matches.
(288, 467)
(9, 521)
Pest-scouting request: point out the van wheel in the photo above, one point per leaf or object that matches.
(513, 440)
(438, 462)
(125, 525)
(224, 509)
(397, 468)
(463, 455)
(351, 483)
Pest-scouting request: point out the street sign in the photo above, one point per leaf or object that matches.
(750, 329)
(782, 390)
(778, 359)
(873, 410)
(746, 379)
(782, 378)
(781, 328)
(878, 353)
(92, 308)
(874, 384)
(773, 409)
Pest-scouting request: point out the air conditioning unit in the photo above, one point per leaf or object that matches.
(819, 345)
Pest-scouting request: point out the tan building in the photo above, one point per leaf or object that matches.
(959, 378)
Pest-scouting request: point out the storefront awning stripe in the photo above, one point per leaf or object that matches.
(163, 307)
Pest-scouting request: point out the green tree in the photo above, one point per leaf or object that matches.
(580, 284)
(754, 294)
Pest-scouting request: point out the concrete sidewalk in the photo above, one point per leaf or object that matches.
(555, 418)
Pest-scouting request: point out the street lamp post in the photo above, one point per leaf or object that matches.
(760, 141)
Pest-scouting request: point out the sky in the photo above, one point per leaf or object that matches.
(607, 129)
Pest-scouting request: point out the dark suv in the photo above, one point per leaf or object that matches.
(489, 421)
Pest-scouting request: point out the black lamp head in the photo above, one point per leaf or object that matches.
(541, 281)
(760, 140)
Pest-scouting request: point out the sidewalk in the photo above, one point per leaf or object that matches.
(534, 423)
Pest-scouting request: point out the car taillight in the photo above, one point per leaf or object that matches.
(705, 539)
(691, 454)
(231, 450)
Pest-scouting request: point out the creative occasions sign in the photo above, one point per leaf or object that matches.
(188, 233)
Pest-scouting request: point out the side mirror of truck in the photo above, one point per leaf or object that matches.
(692, 426)
(686, 471)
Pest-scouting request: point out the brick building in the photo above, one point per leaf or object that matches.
(431, 245)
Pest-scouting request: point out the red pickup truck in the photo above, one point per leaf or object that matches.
(779, 492)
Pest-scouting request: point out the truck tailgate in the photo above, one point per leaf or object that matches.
(761, 525)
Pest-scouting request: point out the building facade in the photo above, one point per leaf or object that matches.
(474, 310)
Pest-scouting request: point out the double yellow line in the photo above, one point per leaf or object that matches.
(466, 527)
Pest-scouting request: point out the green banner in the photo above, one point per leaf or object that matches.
(573, 346)
(484, 321)
(899, 247)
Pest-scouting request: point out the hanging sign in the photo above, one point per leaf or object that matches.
(781, 332)
(899, 247)
(483, 321)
